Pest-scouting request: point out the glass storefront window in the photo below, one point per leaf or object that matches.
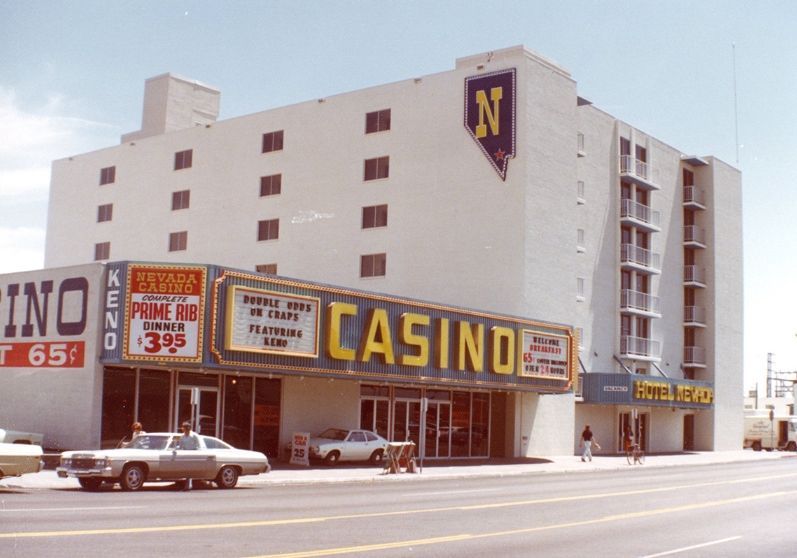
(118, 405)
(480, 425)
(374, 391)
(153, 400)
(237, 411)
(267, 416)
(374, 415)
(460, 424)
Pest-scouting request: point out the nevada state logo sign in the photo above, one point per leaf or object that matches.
(490, 116)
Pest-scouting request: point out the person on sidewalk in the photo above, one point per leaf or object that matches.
(587, 439)
(188, 441)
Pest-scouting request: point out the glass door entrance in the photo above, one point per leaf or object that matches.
(202, 413)
(438, 430)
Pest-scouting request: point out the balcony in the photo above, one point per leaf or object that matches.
(637, 171)
(639, 215)
(694, 236)
(695, 357)
(694, 197)
(639, 348)
(694, 276)
(694, 316)
(638, 303)
(640, 259)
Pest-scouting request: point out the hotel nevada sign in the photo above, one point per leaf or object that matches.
(490, 116)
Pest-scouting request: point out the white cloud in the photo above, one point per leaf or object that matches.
(29, 142)
(22, 248)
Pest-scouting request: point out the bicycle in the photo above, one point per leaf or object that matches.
(635, 455)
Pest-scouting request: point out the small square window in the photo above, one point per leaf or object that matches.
(104, 212)
(271, 268)
(270, 185)
(107, 175)
(374, 216)
(378, 167)
(183, 159)
(378, 121)
(181, 199)
(102, 251)
(272, 141)
(268, 229)
(178, 241)
(373, 265)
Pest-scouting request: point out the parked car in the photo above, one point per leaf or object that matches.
(336, 444)
(153, 457)
(18, 459)
(16, 437)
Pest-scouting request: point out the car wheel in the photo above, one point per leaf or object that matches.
(791, 446)
(90, 483)
(227, 477)
(756, 446)
(132, 478)
(332, 458)
(377, 457)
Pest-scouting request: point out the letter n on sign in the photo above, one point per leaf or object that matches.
(490, 116)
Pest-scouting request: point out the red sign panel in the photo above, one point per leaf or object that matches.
(45, 354)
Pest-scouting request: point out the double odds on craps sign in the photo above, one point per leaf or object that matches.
(165, 313)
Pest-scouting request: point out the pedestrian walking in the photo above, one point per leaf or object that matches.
(587, 440)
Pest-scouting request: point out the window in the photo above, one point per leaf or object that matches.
(178, 241)
(272, 141)
(580, 241)
(182, 159)
(580, 289)
(373, 265)
(102, 251)
(377, 168)
(374, 216)
(580, 142)
(104, 212)
(378, 121)
(181, 199)
(267, 268)
(580, 192)
(268, 229)
(107, 175)
(270, 185)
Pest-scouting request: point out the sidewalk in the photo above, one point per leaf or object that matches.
(284, 474)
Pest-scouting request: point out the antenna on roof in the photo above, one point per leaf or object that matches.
(735, 103)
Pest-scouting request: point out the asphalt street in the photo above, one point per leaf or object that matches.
(741, 507)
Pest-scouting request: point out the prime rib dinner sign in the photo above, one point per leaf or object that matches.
(165, 313)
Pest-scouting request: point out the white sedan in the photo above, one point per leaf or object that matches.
(18, 459)
(336, 444)
(155, 457)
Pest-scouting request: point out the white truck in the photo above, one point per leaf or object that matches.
(15, 437)
(769, 432)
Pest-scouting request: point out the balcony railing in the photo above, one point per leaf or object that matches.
(694, 275)
(638, 171)
(694, 356)
(639, 347)
(640, 258)
(640, 302)
(630, 209)
(695, 315)
(694, 235)
(694, 196)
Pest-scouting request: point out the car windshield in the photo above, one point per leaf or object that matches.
(147, 441)
(333, 434)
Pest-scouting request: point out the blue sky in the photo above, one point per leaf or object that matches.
(72, 77)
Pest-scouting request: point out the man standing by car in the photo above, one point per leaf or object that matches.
(188, 441)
